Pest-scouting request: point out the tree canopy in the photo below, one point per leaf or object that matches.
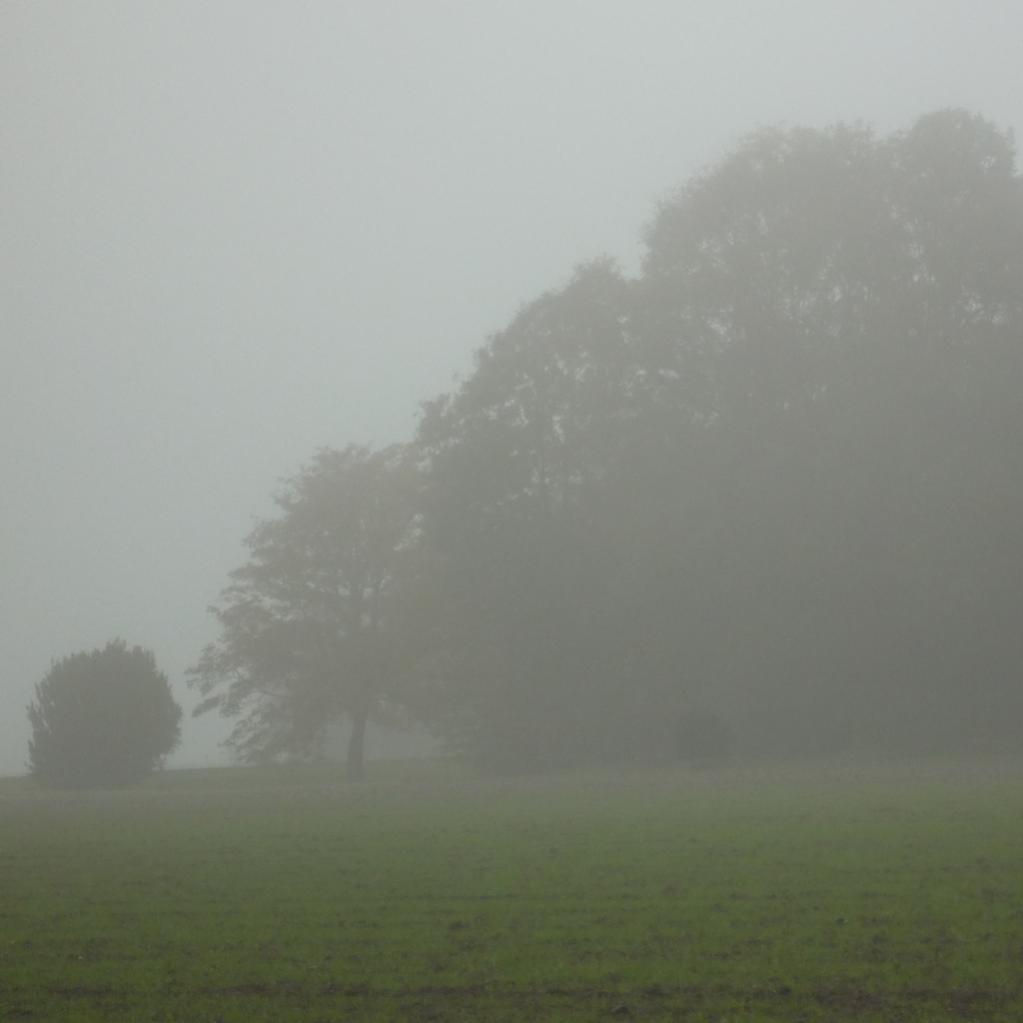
(776, 477)
(102, 718)
(762, 496)
(307, 625)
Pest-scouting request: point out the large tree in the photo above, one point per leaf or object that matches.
(850, 309)
(526, 459)
(102, 718)
(777, 475)
(310, 626)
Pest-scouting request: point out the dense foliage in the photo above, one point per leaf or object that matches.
(763, 497)
(777, 478)
(102, 718)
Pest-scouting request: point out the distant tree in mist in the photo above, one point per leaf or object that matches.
(765, 496)
(778, 474)
(851, 308)
(309, 626)
(516, 504)
(103, 718)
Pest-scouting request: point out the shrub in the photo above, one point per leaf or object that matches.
(103, 718)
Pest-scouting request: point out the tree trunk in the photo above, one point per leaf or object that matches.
(355, 764)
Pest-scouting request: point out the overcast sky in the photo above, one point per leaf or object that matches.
(233, 232)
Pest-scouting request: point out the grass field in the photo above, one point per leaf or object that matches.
(426, 894)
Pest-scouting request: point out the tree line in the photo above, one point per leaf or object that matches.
(764, 494)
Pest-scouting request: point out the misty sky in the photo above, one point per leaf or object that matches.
(232, 232)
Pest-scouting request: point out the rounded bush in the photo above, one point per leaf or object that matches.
(101, 719)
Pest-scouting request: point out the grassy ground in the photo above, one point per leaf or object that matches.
(425, 894)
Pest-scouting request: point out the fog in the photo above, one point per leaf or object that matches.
(233, 233)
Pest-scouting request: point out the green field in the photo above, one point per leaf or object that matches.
(428, 894)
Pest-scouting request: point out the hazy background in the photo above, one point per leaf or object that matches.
(233, 232)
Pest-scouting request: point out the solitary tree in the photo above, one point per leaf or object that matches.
(103, 718)
(309, 632)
